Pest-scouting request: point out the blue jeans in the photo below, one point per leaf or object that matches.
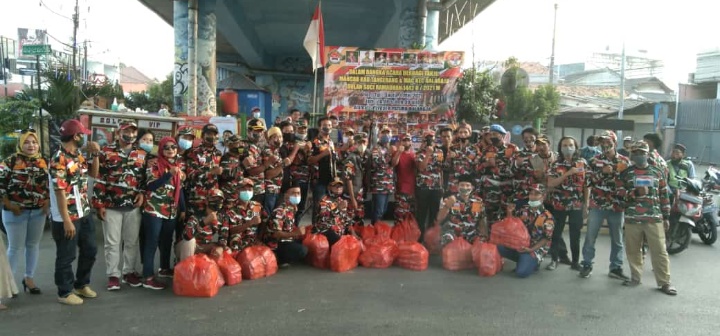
(158, 232)
(66, 250)
(615, 223)
(270, 202)
(526, 264)
(303, 200)
(380, 203)
(24, 232)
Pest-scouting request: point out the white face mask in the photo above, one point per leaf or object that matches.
(256, 115)
(534, 204)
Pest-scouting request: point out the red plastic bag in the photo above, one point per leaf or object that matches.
(487, 258)
(407, 230)
(457, 255)
(511, 233)
(432, 239)
(382, 229)
(196, 276)
(412, 256)
(364, 231)
(257, 262)
(344, 254)
(318, 250)
(229, 268)
(379, 253)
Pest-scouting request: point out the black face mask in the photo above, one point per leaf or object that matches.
(288, 137)
(429, 141)
(214, 206)
(326, 130)
(209, 140)
(128, 139)
(464, 140)
(495, 141)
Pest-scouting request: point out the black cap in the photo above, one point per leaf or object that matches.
(256, 124)
(210, 128)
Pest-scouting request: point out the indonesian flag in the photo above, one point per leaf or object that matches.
(315, 40)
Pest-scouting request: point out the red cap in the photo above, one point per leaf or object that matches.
(72, 127)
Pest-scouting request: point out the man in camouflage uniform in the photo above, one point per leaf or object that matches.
(406, 178)
(202, 171)
(642, 189)
(353, 174)
(283, 235)
(254, 163)
(428, 191)
(119, 194)
(495, 174)
(602, 171)
(522, 167)
(462, 155)
(185, 139)
(201, 229)
(233, 171)
(332, 220)
(382, 174)
(275, 166)
(72, 228)
(298, 172)
(323, 161)
(464, 213)
(243, 218)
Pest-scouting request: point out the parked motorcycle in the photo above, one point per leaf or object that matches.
(711, 181)
(693, 211)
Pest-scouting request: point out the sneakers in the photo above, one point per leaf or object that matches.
(153, 284)
(585, 272)
(618, 274)
(85, 292)
(132, 279)
(113, 284)
(71, 300)
(575, 267)
(165, 273)
(553, 265)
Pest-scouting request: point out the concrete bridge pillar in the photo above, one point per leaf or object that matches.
(432, 26)
(180, 74)
(206, 65)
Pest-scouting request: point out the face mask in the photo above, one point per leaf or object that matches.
(326, 130)
(288, 137)
(209, 140)
(256, 115)
(361, 148)
(185, 144)
(606, 149)
(294, 200)
(300, 137)
(496, 141)
(639, 160)
(214, 206)
(429, 141)
(465, 191)
(80, 142)
(464, 140)
(346, 139)
(246, 195)
(235, 150)
(568, 151)
(255, 136)
(128, 139)
(146, 147)
(384, 139)
(276, 143)
(534, 204)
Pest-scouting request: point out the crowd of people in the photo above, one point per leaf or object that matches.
(201, 199)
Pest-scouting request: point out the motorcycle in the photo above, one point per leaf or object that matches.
(711, 181)
(693, 211)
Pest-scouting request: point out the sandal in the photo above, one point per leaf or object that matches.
(631, 283)
(668, 289)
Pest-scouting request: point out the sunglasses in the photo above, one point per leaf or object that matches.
(27, 130)
(170, 147)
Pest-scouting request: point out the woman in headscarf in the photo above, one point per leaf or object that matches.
(24, 191)
(164, 206)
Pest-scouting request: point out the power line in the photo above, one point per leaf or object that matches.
(42, 4)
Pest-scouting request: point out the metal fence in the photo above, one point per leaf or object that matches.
(698, 128)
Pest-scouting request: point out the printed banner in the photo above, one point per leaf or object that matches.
(390, 80)
(30, 36)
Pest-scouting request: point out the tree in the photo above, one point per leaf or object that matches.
(17, 113)
(523, 104)
(477, 91)
(156, 95)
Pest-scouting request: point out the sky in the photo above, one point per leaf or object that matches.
(673, 31)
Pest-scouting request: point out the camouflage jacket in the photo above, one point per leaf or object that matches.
(281, 220)
(540, 224)
(69, 172)
(330, 217)
(256, 153)
(298, 170)
(652, 207)
(463, 219)
(353, 169)
(382, 174)
(231, 176)
(461, 163)
(569, 194)
(604, 194)
(495, 181)
(431, 177)
(524, 174)
(272, 185)
(198, 181)
(235, 216)
(24, 181)
(195, 227)
(120, 178)
(160, 192)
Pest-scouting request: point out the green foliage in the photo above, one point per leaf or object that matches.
(156, 95)
(7, 147)
(522, 104)
(106, 89)
(17, 113)
(546, 101)
(63, 98)
(477, 90)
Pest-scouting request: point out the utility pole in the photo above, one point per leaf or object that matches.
(76, 23)
(3, 51)
(552, 55)
(84, 66)
(622, 89)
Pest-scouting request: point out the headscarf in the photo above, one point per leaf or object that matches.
(164, 165)
(21, 141)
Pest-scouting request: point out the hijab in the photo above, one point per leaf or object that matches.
(164, 165)
(21, 141)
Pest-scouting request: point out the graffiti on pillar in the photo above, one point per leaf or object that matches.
(409, 23)
(180, 78)
(294, 64)
(206, 71)
(295, 94)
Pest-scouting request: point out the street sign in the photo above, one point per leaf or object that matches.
(36, 49)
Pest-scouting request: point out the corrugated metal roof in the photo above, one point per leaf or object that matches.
(239, 82)
(708, 67)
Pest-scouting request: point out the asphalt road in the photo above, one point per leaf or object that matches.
(306, 301)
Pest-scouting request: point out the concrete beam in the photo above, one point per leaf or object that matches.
(233, 24)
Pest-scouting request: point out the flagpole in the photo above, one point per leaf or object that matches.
(315, 68)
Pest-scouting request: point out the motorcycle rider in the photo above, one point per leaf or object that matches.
(679, 167)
